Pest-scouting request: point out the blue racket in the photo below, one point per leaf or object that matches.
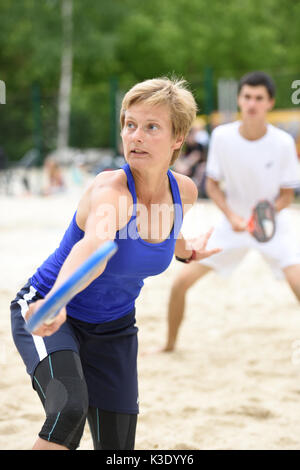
(69, 288)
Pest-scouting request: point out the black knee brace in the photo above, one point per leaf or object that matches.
(62, 389)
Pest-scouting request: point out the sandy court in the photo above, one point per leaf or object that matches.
(234, 381)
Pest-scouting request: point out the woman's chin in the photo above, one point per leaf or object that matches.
(137, 160)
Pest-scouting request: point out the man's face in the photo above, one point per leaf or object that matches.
(254, 102)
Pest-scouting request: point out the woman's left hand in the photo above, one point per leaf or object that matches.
(198, 245)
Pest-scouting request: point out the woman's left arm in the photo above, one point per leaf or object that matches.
(195, 249)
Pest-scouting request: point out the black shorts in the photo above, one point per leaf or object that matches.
(108, 353)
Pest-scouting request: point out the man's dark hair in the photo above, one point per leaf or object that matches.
(257, 79)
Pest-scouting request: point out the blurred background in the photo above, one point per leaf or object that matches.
(65, 65)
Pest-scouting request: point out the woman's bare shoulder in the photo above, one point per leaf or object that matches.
(187, 188)
(111, 185)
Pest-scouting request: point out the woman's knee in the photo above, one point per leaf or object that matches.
(66, 407)
(61, 386)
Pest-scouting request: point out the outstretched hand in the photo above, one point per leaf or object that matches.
(199, 246)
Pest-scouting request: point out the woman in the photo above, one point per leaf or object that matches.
(83, 365)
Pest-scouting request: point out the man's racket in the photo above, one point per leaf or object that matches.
(261, 224)
(71, 286)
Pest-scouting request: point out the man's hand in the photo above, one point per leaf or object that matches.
(49, 327)
(238, 224)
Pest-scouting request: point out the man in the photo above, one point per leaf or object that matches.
(255, 161)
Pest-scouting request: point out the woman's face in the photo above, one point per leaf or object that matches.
(147, 135)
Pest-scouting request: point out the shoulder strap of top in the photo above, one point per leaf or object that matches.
(130, 182)
(175, 194)
(174, 188)
(177, 203)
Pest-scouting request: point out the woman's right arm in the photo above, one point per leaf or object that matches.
(103, 221)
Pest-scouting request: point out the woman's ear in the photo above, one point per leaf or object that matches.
(178, 142)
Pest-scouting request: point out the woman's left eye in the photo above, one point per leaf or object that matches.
(153, 127)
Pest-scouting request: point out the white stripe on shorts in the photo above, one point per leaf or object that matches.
(38, 340)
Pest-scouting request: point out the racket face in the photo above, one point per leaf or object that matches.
(70, 287)
(261, 224)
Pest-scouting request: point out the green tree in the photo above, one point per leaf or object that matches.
(131, 40)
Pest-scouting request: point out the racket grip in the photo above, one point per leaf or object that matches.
(51, 319)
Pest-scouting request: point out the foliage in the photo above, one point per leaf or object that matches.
(133, 40)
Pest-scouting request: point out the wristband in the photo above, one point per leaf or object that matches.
(187, 260)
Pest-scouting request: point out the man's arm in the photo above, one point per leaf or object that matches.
(284, 199)
(215, 193)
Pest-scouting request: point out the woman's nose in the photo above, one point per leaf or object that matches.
(138, 134)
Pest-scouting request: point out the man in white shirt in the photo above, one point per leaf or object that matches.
(255, 161)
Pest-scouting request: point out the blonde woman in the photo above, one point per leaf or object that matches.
(83, 365)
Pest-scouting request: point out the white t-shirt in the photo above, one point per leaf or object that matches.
(252, 170)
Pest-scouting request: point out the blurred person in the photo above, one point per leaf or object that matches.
(255, 161)
(202, 138)
(55, 180)
(201, 135)
(78, 169)
(84, 364)
(192, 162)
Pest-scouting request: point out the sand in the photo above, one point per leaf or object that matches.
(233, 381)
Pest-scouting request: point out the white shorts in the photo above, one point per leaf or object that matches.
(280, 252)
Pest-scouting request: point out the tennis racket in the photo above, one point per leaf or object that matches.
(261, 224)
(71, 286)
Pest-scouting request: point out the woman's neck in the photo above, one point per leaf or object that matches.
(150, 186)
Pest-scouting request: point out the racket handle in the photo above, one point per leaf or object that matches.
(51, 319)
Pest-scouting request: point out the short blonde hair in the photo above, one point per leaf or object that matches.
(170, 91)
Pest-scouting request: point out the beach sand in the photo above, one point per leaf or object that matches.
(233, 381)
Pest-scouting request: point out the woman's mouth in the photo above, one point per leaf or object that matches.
(138, 152)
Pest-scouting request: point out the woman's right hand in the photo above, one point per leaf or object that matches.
(48, 327)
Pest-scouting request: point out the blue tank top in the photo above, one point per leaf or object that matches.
(113, 293)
